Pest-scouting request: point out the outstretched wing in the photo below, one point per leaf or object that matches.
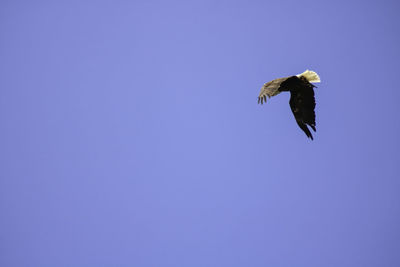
(302, 103)
(271, 88)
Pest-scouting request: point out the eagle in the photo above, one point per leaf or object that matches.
(302, 100)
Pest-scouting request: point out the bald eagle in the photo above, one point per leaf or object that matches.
(302, 101)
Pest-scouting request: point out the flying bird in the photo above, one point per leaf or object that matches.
(302, 101)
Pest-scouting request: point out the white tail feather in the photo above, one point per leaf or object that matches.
(311, 76)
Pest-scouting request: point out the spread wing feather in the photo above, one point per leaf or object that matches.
(270, 89)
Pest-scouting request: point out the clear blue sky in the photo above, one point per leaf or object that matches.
(130, 134)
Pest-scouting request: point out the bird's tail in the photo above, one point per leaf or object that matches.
(311, 76)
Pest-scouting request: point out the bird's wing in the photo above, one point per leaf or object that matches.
(270, 89)
(302, 104)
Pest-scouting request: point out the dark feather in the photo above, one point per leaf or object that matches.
(302, 104)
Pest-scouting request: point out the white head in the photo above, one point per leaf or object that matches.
(310, 75)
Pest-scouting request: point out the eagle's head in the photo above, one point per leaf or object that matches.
(310, 76)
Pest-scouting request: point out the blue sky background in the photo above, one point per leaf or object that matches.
(130, 134)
